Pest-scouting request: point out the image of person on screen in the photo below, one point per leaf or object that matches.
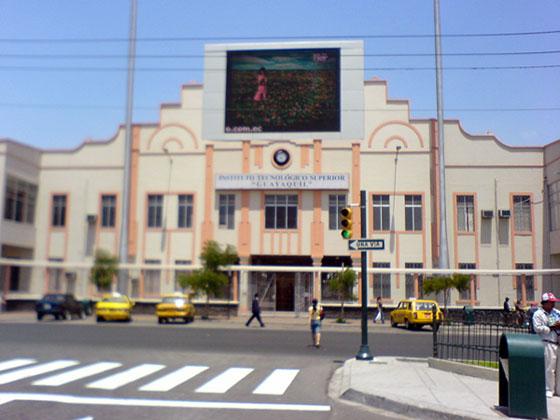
(260, 95)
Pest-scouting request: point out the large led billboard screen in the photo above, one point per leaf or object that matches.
(283, 90)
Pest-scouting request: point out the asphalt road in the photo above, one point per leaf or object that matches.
(81, 370)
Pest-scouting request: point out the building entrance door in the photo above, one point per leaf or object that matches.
(285, 291)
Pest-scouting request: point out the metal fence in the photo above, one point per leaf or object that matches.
(475, 341)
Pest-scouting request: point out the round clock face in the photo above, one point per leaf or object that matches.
(281, 157)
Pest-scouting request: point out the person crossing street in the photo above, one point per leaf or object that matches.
(256, 310)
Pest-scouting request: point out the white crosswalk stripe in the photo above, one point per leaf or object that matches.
(77, 374)
(223, 382)
(174, 379)
(11, 364)
(277, 382)
(123, 378)
(35, 370)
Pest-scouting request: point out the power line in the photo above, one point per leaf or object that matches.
(260, 38)
(140, 107)
(180, 69)
(176, 56)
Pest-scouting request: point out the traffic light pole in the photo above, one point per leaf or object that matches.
(364, 353)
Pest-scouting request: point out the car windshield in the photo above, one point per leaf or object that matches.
(118, 299)
(424, 306)
(176, 301)
(54, 298)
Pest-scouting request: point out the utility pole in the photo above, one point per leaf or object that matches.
(122, 284)
(444, 251)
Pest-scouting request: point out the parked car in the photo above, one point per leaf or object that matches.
(415, 313)
(177, 306)
(114, 307)
(59, 305)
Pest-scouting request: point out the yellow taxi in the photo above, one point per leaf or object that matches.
(176, 306)
(414, 313)
(114, 307)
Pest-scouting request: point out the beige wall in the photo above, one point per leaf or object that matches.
(171, 158)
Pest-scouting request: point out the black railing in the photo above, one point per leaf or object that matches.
(472, 340)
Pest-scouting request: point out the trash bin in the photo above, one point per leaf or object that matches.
(522, 377)
(468, 315)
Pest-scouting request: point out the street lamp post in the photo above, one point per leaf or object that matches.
(364, 353)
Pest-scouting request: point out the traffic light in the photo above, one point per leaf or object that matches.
(346, 223)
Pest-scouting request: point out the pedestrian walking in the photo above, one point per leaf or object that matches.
(507, 310)
(546, 322)
(256, 310)
(316, 315)
(379, 316)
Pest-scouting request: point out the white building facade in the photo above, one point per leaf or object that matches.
(277, 201)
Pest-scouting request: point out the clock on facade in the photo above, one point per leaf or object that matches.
(281, 157)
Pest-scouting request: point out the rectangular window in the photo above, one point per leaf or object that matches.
(381, 282)
(227, 211)
(19, 204)
(185, 211)
(503, 231)
(181, 272)
(54, 275)
(486, 231)
(59, 210)
(336, 203)
(554, 200)
(522, 213)
(155, 210)
(525, 283)
(152, 279)
(413, 281)
(108, 210)
(281, 211)
(413, 212)
(465, 213)
(466, 294)
(381, 213)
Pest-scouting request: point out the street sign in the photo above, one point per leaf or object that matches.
(366, 244)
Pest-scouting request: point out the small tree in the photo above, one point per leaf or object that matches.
(105, 268)
(342, 284)
(437, 284)
(210, 280)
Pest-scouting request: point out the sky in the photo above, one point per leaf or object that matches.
(63, 62)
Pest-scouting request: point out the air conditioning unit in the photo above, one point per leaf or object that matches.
(92, 219)
(487, 214)
(504, 214)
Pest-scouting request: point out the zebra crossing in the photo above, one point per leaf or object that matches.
(110, 376)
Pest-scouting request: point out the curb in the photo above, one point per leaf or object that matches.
(402, 408)
(464, 369)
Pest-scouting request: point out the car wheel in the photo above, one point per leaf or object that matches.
(407, 324)
(57, 316)
(67, 315)
(39, 316)
(160, 320)
(393, 323)
(129, 319)
(100, 319)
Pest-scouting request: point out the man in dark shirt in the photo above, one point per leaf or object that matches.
(256, 310)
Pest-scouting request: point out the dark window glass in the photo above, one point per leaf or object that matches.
(59, 210)
(108, 210)
(185, 211)
(155, 209)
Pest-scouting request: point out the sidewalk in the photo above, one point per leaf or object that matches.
(411, 388)
(272, 320)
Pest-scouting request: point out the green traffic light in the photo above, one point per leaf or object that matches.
(346, 234)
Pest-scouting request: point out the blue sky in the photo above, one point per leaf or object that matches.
(52, 102)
